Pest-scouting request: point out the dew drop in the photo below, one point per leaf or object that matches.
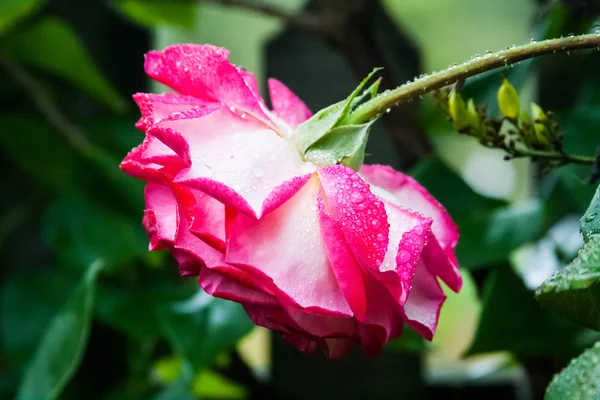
(357, 197)
(403, 256)
(380, 237)
(590, 217)
(571, 34)
(375, 223)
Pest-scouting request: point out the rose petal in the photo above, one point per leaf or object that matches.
(156, 107)
(235, 160)
(286, 247)
(160, 216)
(442, 264)
(404, 191)
(358, 212)
(204, 71)
(219, 285)
(287, 105)
(407, 236)
(424, 302)
(348, 273)
(184, 239)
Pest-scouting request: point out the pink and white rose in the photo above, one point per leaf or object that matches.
(327, 256)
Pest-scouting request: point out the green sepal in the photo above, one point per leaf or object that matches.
(320, 124)
(343, 144)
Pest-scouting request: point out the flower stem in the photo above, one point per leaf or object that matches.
(477, 65)
(561, 157)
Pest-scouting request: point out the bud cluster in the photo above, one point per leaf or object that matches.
(521, 134)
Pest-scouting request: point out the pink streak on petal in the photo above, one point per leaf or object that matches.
(299, 267)
(359, 213)
(287, 105)
(348, 273)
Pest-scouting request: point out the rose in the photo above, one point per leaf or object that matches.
(325, 255)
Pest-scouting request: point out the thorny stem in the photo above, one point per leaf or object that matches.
(475, 66)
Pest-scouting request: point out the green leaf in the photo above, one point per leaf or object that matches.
(574, 291)
(119, 302)
(319, 125)
(12, 11)
(150, 13)
(80, 232)
(209, 384)
(488, 236)
(53, 46)
(511, 320)
(39, 296)
(589, 224)
(35, 148)
(64, 342)
(580, 380)
(345, 144)
(202, 327)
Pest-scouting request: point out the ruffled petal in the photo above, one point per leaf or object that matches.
(220, 285)
(206, 217)
(204, 71)
(186, 241)
(287, 105)
(233, 159)
(156, 107)
(408, 234)
(160, 216)
(404, 191)
(286, 247)
(135, 165)
(424, 302)
(360, 215)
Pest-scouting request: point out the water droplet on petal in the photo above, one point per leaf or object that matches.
(357, 197)
(375, 223)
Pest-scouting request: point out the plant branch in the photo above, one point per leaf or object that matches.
(304, 20)
(45, 104)
(477, 65)
(562, 157)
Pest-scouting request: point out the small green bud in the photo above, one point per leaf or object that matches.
(458, 111)
(508, 101)
(474, 118)
(537, 114)
(540, 125)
